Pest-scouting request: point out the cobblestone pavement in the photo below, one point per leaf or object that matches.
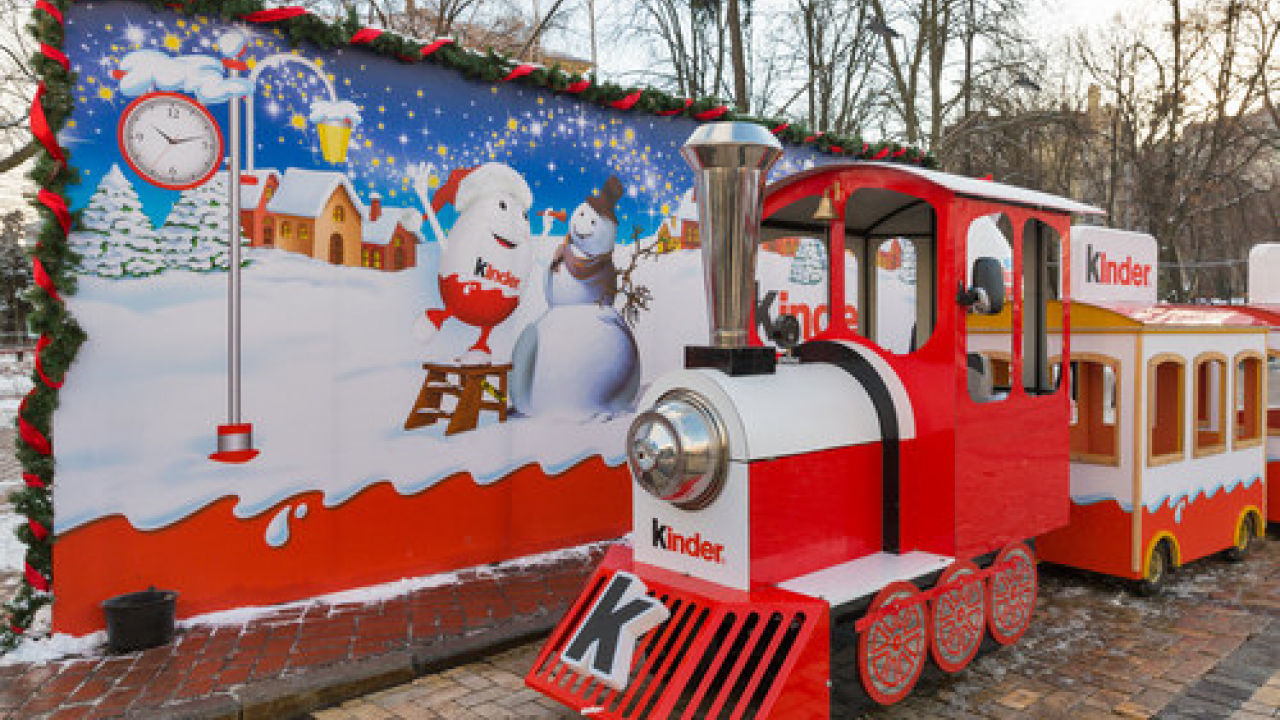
(1208, 648)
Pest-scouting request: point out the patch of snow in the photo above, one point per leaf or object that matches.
(54, 647)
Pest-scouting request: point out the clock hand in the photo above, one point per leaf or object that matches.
(163, 135)
(179, 141)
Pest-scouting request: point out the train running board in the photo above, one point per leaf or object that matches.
(717, 655)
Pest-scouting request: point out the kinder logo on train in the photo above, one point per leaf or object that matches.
(664, 538)
(1103, 269)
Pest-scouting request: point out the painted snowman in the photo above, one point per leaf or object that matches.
(579, 361)
(484, 258)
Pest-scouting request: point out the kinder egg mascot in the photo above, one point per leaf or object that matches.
(484, 258)
(579, 361)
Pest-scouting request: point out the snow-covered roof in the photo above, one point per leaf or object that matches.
(304, 193)
(251, 194)
(380, 231)
(991, 190)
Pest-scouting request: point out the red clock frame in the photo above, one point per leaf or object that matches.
(124, 151)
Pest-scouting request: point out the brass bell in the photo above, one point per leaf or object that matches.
(826, 209)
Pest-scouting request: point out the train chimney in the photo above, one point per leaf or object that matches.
(731, 161)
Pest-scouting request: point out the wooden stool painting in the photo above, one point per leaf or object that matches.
(469, 389)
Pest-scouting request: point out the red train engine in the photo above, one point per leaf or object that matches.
(868, 493)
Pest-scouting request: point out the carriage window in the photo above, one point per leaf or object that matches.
(1165, 409)
(1041, 305)
(1095, 411)
(989, 338)
(1273, 394)
(1247, 411)
(1210, 389)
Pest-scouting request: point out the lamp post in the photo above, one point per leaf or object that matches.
(235, 437)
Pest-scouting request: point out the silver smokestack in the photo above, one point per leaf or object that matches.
(732, 161)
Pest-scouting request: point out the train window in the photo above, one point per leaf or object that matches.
(1210, 393)
(989, 337)
(1273, 393)
(794, 267)
(1165, 388)
(1041, 305)
(1095, 410)
(900, 277)
(1247, 411)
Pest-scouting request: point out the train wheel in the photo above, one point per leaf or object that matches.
(1013, 594)
(892, 650)
(1245, 535)
(1159, 566)
(959, 617)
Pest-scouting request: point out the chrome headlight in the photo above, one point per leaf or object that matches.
(678, 450)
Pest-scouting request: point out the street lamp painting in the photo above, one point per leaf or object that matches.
(334, 122)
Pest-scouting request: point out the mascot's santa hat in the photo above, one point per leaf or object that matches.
(466, 185)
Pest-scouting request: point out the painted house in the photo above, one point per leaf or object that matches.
(319, 214)
(390, 238)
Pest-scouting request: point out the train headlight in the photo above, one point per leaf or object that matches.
(677, 450)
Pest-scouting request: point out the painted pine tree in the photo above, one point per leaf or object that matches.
(809, 266)
(115, 237)
(194, 235)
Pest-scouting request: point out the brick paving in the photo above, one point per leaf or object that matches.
(1209, 648)
(221, 671)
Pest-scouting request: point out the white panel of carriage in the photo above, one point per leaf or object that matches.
(1211, 473)
(1094, 482)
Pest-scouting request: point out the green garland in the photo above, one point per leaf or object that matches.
(50, 318)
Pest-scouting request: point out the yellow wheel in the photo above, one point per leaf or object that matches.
(1246, 533)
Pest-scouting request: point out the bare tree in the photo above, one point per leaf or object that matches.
(1185, 129)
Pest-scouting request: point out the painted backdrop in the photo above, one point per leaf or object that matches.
(452, 295)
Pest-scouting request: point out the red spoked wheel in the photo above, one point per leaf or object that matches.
(959, 616)
(893, 648)
(1013, 587)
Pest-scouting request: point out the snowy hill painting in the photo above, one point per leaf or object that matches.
(395, 218)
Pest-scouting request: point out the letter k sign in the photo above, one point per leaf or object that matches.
(606, 640)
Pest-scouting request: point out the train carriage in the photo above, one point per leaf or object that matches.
(855, 498)
(1264, 305)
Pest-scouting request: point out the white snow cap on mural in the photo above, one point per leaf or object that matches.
(1110, 265)
(489, 179)
(199, 75)
(335, 112)
(231, 44)
(1264, 274)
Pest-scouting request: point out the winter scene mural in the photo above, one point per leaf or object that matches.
(449, 296)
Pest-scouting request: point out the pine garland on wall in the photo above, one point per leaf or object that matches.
(55, 263)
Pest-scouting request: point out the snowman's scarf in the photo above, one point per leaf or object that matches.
(597, 273)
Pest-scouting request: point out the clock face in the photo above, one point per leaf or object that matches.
(170, 140)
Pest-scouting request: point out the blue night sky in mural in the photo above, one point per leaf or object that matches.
(420, 113)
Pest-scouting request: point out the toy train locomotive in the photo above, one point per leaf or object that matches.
(874, 483)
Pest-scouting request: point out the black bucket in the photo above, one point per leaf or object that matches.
(140, 620)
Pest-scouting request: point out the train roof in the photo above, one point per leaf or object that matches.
(1174, 316)
(888, 212)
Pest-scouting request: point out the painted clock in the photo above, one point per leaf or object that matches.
(170, 140)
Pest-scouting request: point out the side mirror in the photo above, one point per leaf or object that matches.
(986, 296)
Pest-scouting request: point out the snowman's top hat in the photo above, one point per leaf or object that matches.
(607, 198)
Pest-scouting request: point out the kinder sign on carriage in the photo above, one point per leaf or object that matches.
(1113, 266)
